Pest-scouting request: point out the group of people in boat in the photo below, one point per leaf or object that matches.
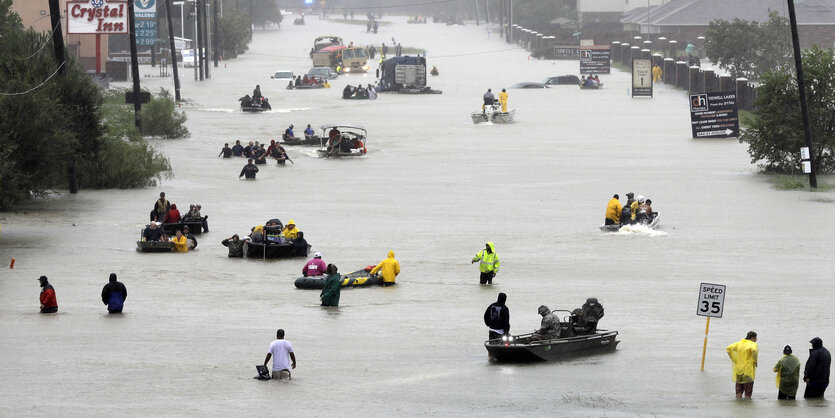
(359, 92)
(270, 233)
(490, 100)
(257, 100)
(165, 212)
(581, 321)
(256, 151)
(290, 135)
(337, 142)
(636, 210)
(308, 81)
(591, 81)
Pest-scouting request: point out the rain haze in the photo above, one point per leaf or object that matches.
(434, 187)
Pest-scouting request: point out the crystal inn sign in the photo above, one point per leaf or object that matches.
(101, 17)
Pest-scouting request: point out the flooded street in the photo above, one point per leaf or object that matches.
(434, 188)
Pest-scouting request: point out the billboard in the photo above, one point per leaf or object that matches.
(594, 59)
(713, 115)
(99, 17)
(641, 77)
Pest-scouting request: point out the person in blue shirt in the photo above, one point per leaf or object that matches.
(309, 132)
(288, 133)
(237, 149)
(114, 294)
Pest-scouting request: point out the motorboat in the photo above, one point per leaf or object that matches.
(271, 250)
(303, 86)
(493, 114)
(359, 278)
(525, 348)
(307, 141)
(195, 226)
(250, 105)
(578, 336)
(347, 141)
(653, 224)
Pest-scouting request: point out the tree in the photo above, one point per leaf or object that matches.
(233, 33)
(775, 135)
(538, 14)
(748, 49)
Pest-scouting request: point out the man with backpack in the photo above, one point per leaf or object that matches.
(114, 294)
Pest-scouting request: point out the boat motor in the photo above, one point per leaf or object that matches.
(594, 312)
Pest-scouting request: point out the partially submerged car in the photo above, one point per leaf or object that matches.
(529, 85)
(323, 72)
(283, 75)
(569, 79)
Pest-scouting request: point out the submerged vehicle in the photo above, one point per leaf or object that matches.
(283, 75)
(339, 140)
(493, 114)
(405, 75)
(529, 85)
(359, 278)
(571, 80)
(651, 223)
(322, 73)
(578, 336)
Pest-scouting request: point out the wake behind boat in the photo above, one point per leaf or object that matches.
(653, 224)
(493, 114)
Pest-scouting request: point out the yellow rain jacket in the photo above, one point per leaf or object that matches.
(613, 209)
(743, 354)
(634, 208)
(389, 268)
(503, 101)
(180, 244)
(489, 261)
(291, 233)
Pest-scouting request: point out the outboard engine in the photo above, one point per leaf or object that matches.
(626, 216)
(594, 312)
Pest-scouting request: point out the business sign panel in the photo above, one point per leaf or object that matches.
(98, 17)
(713, 115)
(594, 59)
(711, 300)
(641, 77)
(566, 51)
(145, 19)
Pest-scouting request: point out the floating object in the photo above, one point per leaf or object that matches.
(523, 348)
(11, 266)
(359, 278)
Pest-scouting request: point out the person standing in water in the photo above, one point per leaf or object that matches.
(743, 354)
(497, 318)
(788, 374)
(333, 285)
(49, 303)
(488, 263)
(388, 268)
(114, 294)
(279, 351)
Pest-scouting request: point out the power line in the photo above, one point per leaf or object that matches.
(391, 6)
(36, 87)
(42, 45)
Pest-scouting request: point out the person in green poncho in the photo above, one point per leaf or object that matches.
(333, 283)
(788, 374)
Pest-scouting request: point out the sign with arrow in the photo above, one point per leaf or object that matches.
(714, 115)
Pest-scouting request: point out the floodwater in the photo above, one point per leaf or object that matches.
(433, 188)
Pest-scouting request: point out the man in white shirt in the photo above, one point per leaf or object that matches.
(279, 350)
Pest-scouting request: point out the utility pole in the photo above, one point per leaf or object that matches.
(476, 12)
(60, 60)
(173, 50)
(198, 54)
(801, 87)
(214, 33)
(134, 67)
(206, 41)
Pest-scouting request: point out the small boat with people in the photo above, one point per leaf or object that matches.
(248, 104)
(592, 82)
(651, 223)
(271, 241)
(341, 140)
(359, 278)
(574, 336)
(493, 114)
(636, 211)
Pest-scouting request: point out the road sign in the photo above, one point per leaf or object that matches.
(713, 115)
(641, 77)
(711, 300)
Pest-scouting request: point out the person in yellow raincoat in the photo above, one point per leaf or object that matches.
(388, 268)
(180, 242)
(613, 210)
(290, 230)
(488, 263)
(743, 354)
(656, 73)
(503, 100)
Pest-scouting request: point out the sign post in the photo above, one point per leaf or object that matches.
(641, 77)
(711, 304)
(713, 115)
(594, 59)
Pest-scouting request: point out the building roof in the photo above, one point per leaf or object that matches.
(702, 12)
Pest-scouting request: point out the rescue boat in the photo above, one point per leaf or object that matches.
(359, 278)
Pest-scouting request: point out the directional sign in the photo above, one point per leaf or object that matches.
(713, 115)
(711, 300)
(641, 78)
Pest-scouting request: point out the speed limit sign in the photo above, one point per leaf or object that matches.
(711, 300)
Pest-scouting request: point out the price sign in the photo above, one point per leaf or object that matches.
(711, 300)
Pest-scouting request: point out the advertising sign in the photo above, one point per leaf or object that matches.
(145, 14)
(711, 300)
(566, 51)
(713, 115)
(103, 17)
(641, 77)
(594, 59)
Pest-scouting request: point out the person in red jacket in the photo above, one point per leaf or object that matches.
(173, 215)
(49, 304)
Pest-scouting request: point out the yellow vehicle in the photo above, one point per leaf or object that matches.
(342, 59)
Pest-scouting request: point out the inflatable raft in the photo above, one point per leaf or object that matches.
(359, 278)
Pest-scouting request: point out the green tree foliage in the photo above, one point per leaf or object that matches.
(749, 49)
(51, 122)
(263, 12)
(775, 135)
(161, 118)
(234, 33)
(538, 14)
